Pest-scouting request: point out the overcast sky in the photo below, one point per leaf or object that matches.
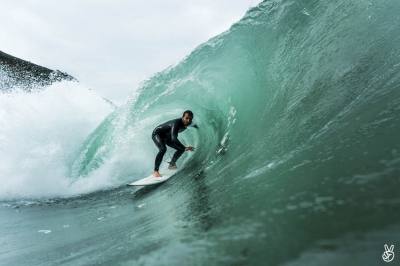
(112, 45)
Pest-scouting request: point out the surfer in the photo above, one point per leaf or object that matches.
(167, 134)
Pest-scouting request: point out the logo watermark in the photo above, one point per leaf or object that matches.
(388, 254)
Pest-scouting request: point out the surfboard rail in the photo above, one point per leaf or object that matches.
(151, 180)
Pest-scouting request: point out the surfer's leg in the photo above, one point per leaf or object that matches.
(175, 158)
(162, 149)
(172, 163)
(177, 154)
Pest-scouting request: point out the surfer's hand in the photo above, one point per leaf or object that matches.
(189, 148)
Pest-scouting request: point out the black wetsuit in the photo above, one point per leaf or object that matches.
(167, 134)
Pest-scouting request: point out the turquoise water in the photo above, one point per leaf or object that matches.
(297, 158)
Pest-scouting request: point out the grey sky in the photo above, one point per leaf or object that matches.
(111, 46)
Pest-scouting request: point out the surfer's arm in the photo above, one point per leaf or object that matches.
(195, 126)
(174, 137)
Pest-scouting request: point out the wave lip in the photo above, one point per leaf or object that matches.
(17, 73)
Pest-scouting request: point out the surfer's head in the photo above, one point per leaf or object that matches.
(187, 117)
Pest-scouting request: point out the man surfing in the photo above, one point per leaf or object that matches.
(167, 134)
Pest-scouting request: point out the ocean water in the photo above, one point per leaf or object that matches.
(297, 158)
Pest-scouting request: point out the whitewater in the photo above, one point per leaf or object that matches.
(39, 135)
(297, 157)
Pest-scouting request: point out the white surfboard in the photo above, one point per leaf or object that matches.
(151, 180)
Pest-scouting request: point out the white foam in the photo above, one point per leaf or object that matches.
(40, 133)
(44, 231)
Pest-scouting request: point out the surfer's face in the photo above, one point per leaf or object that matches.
(187, 119)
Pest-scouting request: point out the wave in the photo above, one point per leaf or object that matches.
(298, 96)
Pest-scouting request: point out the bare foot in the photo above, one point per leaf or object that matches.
(172, 167)
(156, 174)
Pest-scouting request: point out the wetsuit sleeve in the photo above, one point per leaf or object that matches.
(174, 137)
